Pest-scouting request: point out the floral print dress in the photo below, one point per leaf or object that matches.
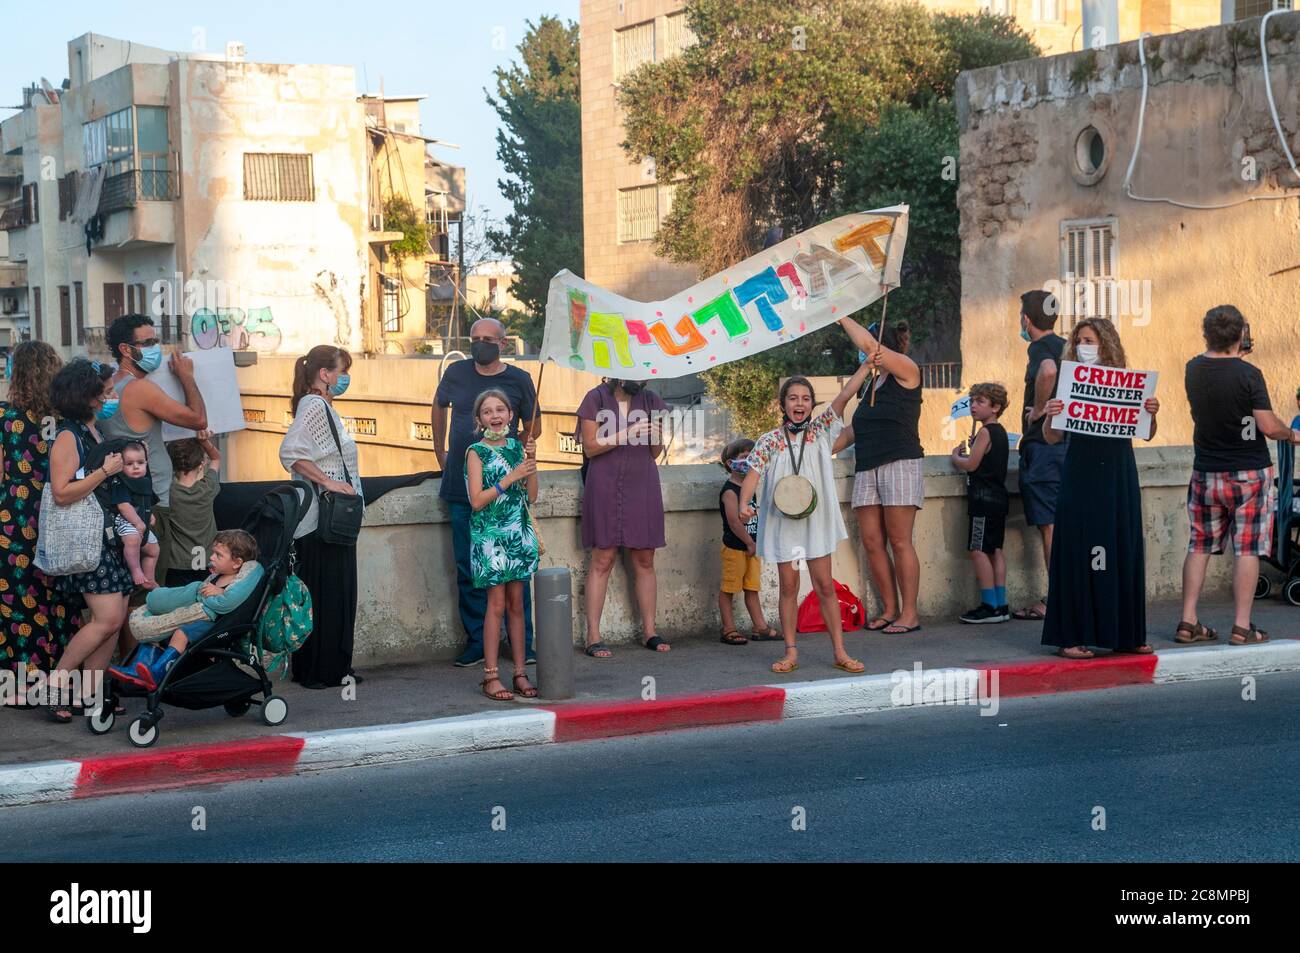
(503, 546)
(36, 620)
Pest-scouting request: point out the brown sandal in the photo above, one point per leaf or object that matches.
(732, 637)
(1076, 652)
(528, 692)
(502, 694)
(770, 635)
(1189, 632)
(1250, 636)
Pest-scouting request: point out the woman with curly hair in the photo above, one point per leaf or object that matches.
(1098, 516)
(36, 620)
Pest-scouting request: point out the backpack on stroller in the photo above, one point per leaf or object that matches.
(224, 667)
(1286, 542)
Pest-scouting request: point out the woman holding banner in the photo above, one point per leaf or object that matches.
(622, 505)
(887, 487)
(1097, 576)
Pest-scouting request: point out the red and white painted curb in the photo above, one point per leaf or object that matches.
(278, 755)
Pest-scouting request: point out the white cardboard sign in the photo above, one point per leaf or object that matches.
(214, 373)
(1104, 401)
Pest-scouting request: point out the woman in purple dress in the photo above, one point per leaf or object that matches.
(622, 506)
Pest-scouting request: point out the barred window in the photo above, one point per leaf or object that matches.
(638, 213)
(278, 177)
(1245, 9)
(677, 35)
(1090, 262)
(633, 46)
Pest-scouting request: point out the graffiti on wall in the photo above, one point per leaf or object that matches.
(253, 329)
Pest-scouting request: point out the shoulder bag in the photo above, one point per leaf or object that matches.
(340, 515)
(69, 539)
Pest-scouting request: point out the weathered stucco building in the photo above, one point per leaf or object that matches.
(239, 203)
(1210, 216)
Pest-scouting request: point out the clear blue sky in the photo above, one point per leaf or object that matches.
(444, 48)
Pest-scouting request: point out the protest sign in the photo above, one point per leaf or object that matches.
(782, 293)
(214, 374)
(1104, 401)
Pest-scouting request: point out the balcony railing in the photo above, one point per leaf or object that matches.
(128, 188)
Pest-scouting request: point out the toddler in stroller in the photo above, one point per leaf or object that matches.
(235, 575)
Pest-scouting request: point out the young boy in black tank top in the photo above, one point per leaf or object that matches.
(987, 502)
(740, 567)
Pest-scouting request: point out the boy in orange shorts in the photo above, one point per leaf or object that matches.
(741, 569)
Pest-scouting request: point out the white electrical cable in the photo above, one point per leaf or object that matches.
(1277, 124)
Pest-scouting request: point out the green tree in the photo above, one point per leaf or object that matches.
(539, 145)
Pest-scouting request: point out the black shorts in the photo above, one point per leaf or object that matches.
(986, 533)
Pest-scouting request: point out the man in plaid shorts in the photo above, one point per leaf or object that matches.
(1231, 494)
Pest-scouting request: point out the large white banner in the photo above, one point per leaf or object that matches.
(769, 299)
(214, 374)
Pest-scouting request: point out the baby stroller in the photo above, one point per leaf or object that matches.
(1286, 544)
(217, 669)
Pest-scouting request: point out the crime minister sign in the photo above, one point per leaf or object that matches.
(1104, 401)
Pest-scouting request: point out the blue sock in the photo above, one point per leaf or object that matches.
(989, 596)
(1001, 593)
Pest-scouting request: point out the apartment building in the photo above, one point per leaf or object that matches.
(234, 201)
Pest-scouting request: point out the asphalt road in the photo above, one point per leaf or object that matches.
(1183, 772)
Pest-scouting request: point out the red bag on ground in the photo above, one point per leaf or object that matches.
(852, 615)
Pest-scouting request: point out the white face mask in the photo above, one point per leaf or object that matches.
(1087, 353)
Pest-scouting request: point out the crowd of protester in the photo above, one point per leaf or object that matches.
(1080, 492)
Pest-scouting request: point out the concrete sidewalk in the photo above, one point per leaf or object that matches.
(416, 693)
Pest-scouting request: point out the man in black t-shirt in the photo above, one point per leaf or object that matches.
(460, 384)
(1040, 461)
(1231, 494)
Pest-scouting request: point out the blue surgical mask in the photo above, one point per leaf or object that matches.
(150, 358)
(1024, 334)
(740, 466)
(340, 385)
(108, 410)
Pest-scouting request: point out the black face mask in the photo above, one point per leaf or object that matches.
(1247, 342)
(793, 427)
(484, 352)
(632, 388)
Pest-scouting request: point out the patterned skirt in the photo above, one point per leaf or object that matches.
(112, 575)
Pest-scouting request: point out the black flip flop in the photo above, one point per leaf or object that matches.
(595, 647)
(902, 630)
(884, 624)
(653, 643)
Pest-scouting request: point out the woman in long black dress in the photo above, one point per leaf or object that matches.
(1097, 576)
(326, 456)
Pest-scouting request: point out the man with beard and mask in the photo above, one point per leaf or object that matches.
(462, 381)
(1040, 461)
(142, 407)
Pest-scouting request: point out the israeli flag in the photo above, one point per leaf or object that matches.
(960, 407)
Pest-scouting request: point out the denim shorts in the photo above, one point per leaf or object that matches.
(197, 630)
(1040, 480)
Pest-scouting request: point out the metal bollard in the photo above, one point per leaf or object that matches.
(553, 631)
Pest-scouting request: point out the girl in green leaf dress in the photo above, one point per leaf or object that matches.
(501, 480)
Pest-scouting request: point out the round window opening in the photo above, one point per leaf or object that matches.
(1090, 151)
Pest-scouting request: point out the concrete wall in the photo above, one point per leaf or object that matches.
(407, 606)
(1207, 123)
